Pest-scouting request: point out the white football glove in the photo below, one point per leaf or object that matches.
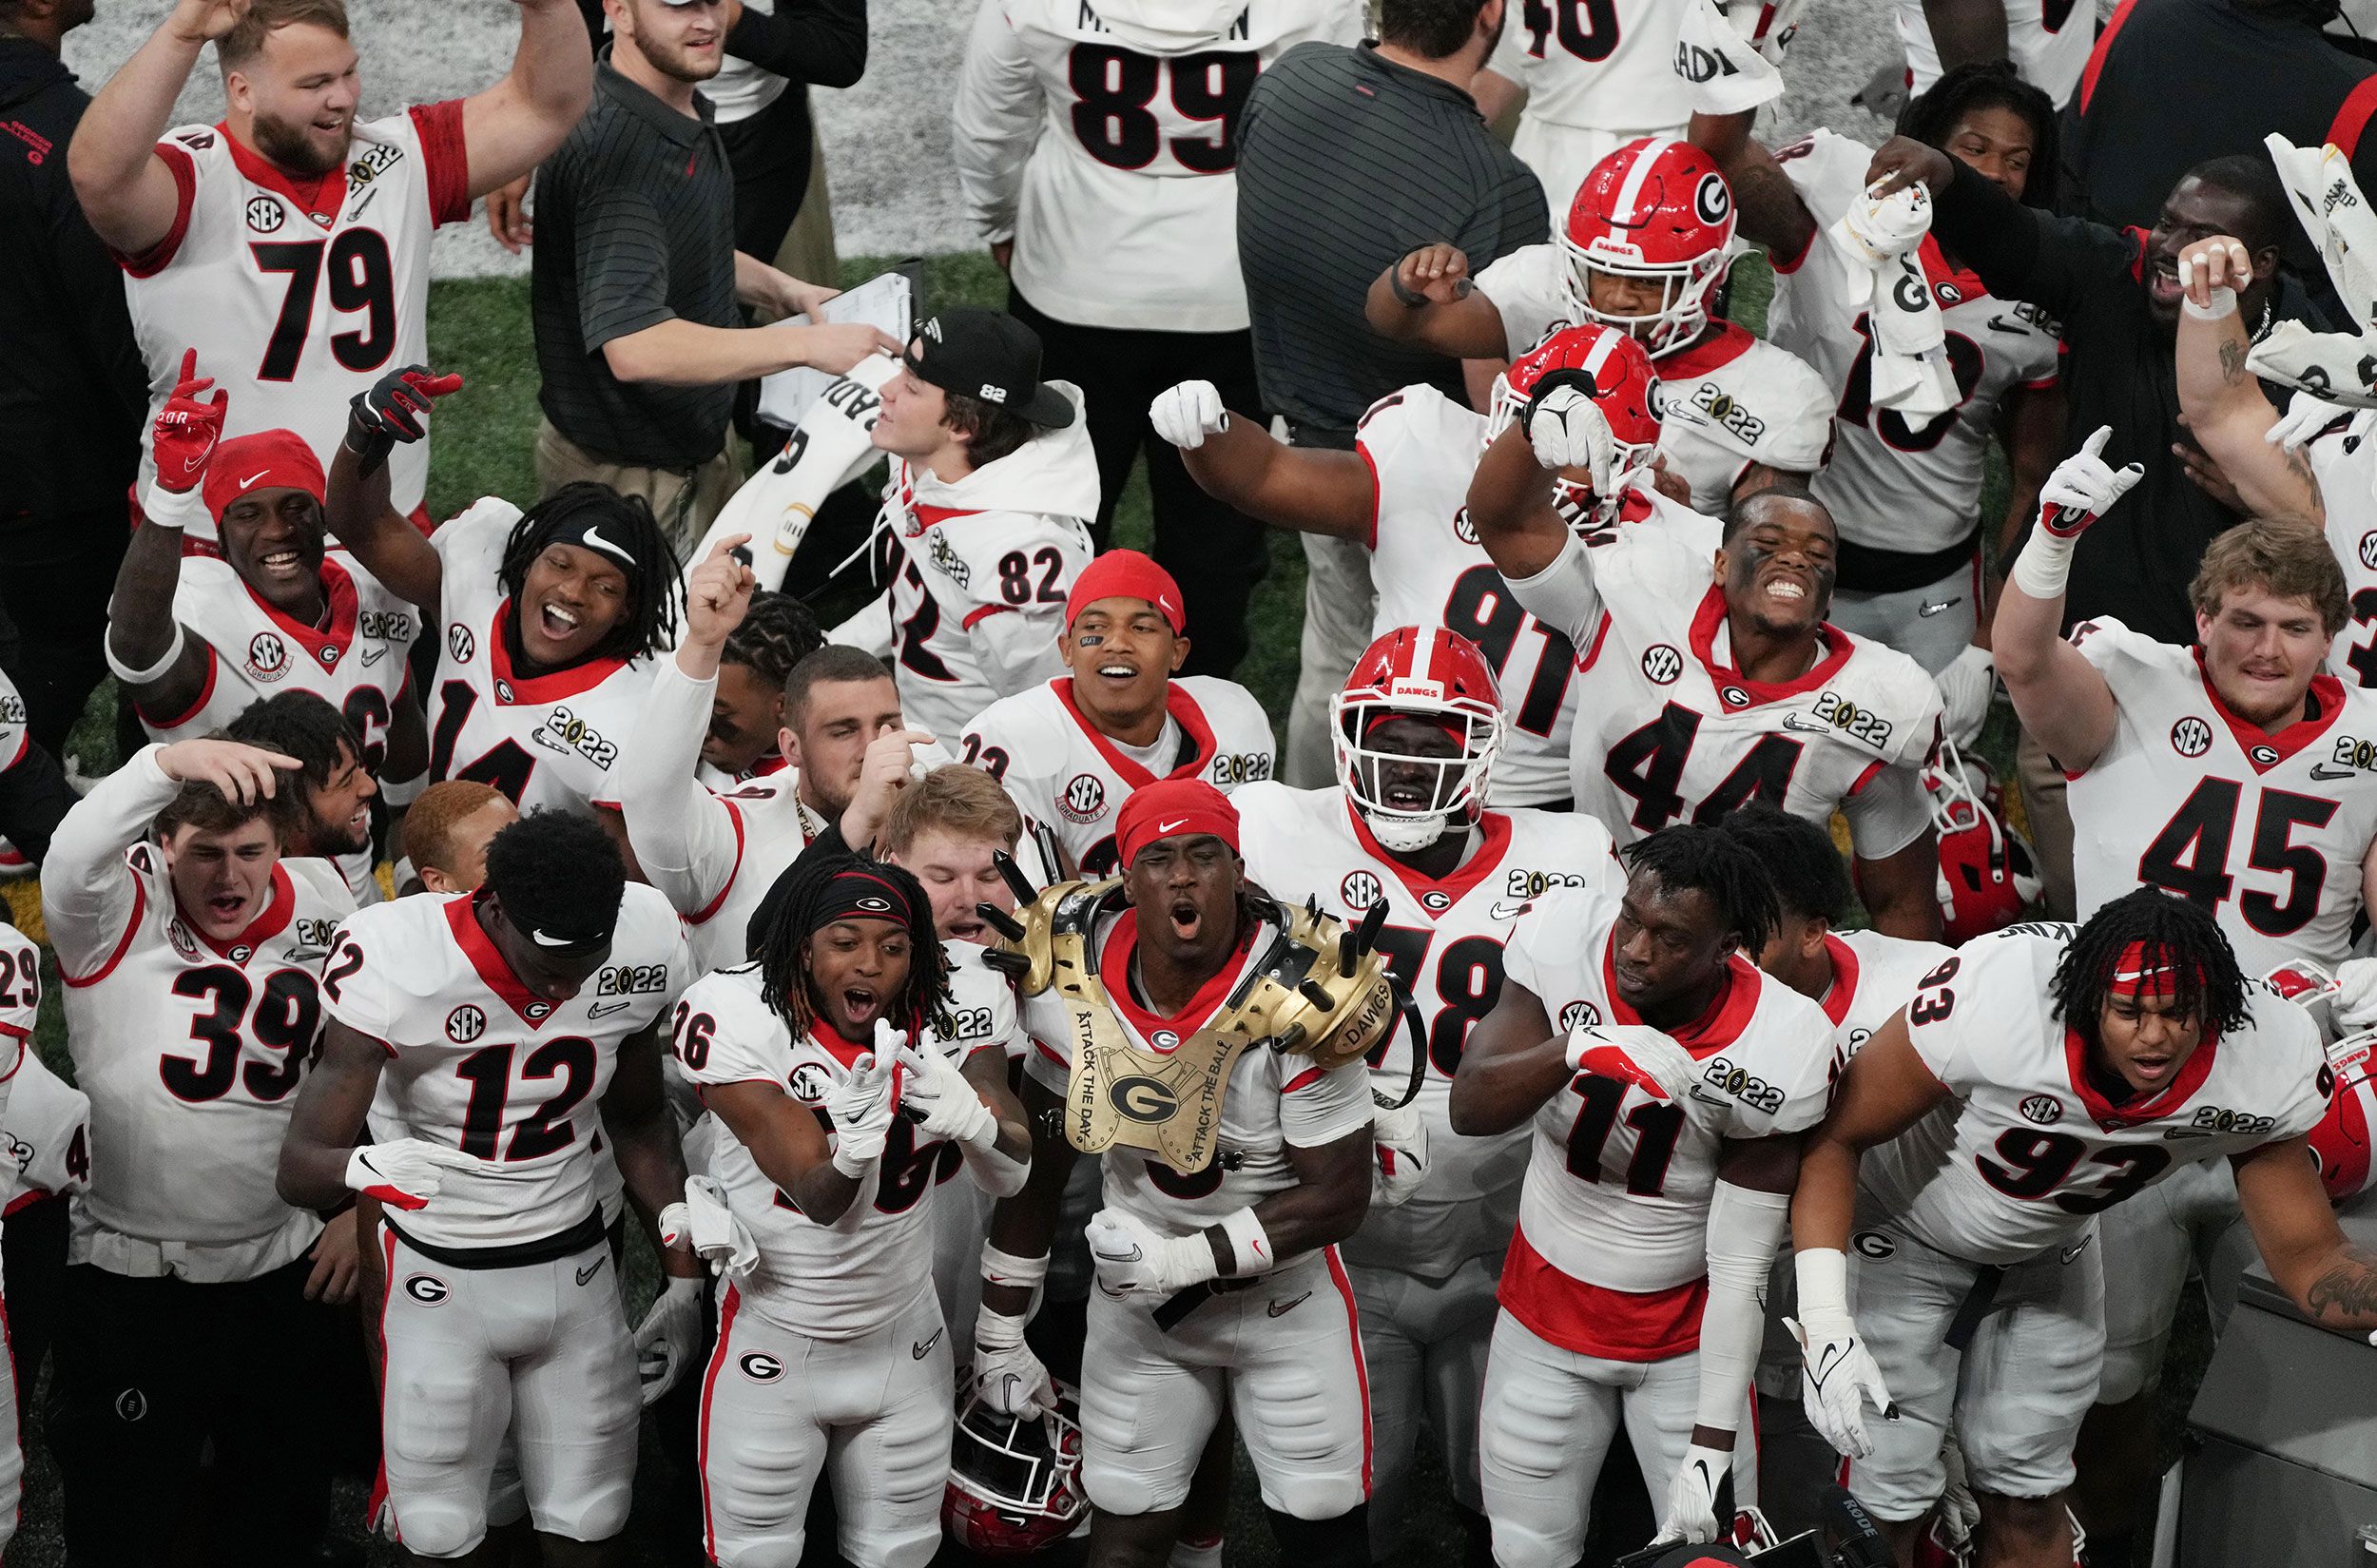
(938, 1092)
(1691, 1514)
(860, 1104)
(1132, 1260)
(2307, 414)
(703, 1224)
(665, 1341)
(2083, 486)
(1967, 688)
(406, 1173)
(1837, 1373)
(1635, 1054)
(1399, 1142)
(1567, 429)
(1187, 414)
(1007, 1375)
(2356, 995)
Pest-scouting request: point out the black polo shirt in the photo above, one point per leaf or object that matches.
(1348, 161)
(635, 226)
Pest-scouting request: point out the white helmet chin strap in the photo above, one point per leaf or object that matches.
(1404, 834)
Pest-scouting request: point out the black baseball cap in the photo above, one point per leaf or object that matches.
(990, 354)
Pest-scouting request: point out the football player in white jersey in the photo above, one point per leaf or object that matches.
(839, 1117)
(746, 739)
(20, 1006)
(289, 243)
(1096, 152)
(1643, 249)
(1218, 1285)
(1664, 1077)
(1695, 696)
(195, 634)
(333, 811)
(2040, 1076)
(551, 616)
(1906, 493)
(1417, 735)
(190, 951)
(1402, 493)
(1072, 751)
(2047, 41)
(985, 519)
(2231, 773)
(514, 1025)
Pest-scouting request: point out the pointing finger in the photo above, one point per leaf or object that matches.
(2095, 445)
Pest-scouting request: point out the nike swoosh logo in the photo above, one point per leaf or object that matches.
(1829, 1363)
(590, 1271)
(1792, 720)
(603, 1010)
(925, 1348)
(1927, 609)
(1172, 827)
(371, 656)
(593, 539)
(1281, 1309)
(2076, 1250)
(2322, 770)
(1509, 911)
(261, 473)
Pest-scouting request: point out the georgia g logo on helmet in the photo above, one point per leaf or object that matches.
(1712, 200)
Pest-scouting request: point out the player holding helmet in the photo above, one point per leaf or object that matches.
(1664, 1079)
(1408, 827)
(2041, 1077)
(1647, 242)
(1697, 696)
(1402, 491)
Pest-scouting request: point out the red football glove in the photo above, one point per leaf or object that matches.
(188, 428)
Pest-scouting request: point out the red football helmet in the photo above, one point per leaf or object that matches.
(1015, 1484)
(1655, 209)
(1432, 674)
(1624, 389)
(2340, 1142)
(1987, 871)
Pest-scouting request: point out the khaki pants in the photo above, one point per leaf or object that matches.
(2048, 820)
(685, 501)
(1340, 604)
(808, 252)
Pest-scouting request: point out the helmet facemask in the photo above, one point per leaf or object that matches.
(1407, 799)
(1682, 313)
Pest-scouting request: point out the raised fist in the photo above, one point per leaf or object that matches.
(1187, 414)
(1569, 430)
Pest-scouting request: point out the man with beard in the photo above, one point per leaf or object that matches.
(1697, 696)
(1219, 1284)
(289, 243)
(332, 815)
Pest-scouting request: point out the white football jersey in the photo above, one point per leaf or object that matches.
(20, 1008)
(2269, 832)
(1601, 64)
(2027, 1153)
(1669, 731)
(1726, 401)
(1619, 1179)
(2344, 460)
(1892, 484)
(984, 1016)
(1103, 139)
(1066, 776)
(300, 294)
(1270, 1102)
(979, 572)
(1872, 977)
(830, 1281)
(1443, 941)
(545, 741)
(190, 1050)
(45, 1137)
(2049, 42)
(480, 1064)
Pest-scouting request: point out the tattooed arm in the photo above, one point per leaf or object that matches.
(2228, 414)
(2332, 1280)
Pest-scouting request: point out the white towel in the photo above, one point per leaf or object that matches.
(1880, 237)
(2337, 367)
(1726, 72)
(2337, 217)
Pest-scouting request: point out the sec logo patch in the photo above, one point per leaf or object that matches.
(465, 1023)
(1084, 800)
(267, 657)
(1359, 889)
(461, 644)
(264, 215)
(2043, 1109)
(1579, 1015)
(2190, 737)
(1661, 664)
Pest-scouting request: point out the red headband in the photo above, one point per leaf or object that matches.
(1127, 574)
(270, 459)
(1172, 808)
(2133, 976)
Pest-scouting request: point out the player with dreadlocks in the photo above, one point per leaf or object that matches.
(2040, 1076)
(831, 1346)
(1666, 1080)
(552, 615)
(747, 711)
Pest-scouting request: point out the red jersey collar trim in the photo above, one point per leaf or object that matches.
(318, 198)
(927, 516)
(1482, 863)
(2176, 1093)
(1703, 640)
(325, 646)
(1711, 1033)
(480, 948)
(1114, 970)
(1843, 995)
(1183, 710)
(1964, 287)
(269, 922)
(573, 681)
(2325, 689)
(1711, 354)
(829, 1039)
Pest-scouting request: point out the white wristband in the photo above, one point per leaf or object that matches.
(1006, 1269)
(2223, 306)
(173, 509)
(400, 793)
(1822, 1276)
(143, 677)
(1249, 1245)
(2044, 565)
